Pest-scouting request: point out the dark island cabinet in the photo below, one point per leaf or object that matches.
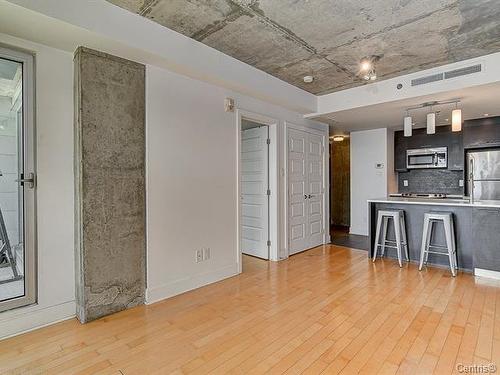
(486, 238)
(482, 133)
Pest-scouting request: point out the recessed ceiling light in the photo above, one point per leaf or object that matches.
(308, 79)
(338, 138)
(486, 114)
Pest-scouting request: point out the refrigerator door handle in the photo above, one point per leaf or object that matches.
(471, 179)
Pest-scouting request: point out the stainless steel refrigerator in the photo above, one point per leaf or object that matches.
(484, 174)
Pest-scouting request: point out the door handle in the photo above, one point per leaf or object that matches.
(310, 196)
(305, 196)
(30, 180)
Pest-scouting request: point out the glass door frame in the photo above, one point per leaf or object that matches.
(29, 163)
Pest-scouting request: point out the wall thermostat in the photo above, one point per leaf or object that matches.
(229, 105)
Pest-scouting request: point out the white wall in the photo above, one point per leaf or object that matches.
(192, 179)
(367, 149)
(54, 131)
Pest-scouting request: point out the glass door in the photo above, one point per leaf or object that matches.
(17, 183)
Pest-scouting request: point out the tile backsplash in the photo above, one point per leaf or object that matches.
(431, 181)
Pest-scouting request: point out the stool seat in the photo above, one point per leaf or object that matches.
(431, 218)
(398, 218)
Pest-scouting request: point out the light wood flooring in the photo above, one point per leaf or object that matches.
(328, 310)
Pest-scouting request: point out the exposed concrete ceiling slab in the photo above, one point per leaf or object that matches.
(327, 38)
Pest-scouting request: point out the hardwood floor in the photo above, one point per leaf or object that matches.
(328, 310)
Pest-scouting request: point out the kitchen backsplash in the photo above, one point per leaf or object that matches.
(431, 181)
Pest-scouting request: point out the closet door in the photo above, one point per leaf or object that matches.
(297, 194)
(315, 191)
(305, 190)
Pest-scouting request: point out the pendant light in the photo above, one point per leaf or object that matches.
(431, 122)
(407, 125)
(456, 119)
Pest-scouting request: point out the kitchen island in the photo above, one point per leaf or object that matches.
(477, 228)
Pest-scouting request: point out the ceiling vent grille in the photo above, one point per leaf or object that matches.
(427, 79)
(447, 75)
(463, 71)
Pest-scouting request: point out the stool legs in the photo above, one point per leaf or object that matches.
(450, 245)
(405, 240)
(375, 247)
(425, 242)
(385, 225)
(397, 231)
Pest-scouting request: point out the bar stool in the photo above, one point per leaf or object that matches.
(398, 219)
(431, 218)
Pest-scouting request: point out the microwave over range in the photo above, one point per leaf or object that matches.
(421, 158)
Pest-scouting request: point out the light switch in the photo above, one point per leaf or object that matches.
(405, 182)
(461, 183)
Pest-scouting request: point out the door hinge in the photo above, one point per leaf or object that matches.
(268, 141)
(268, 192)
(268, 243)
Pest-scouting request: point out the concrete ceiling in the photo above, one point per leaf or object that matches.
(475, 102)
(327, 38)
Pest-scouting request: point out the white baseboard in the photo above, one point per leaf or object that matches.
(22, 320)
(487, 273)
(186, 284)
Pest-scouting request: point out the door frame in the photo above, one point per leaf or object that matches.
(273, 125)
(326, 175)
(29, 159)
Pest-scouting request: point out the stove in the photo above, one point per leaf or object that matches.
(423, 195)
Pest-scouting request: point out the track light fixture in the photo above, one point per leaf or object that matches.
(456, 117)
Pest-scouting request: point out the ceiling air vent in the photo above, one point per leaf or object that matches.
(462, 71)
(427, 79)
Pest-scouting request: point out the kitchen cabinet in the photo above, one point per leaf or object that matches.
(481, 133)
(456, 155)
(420, 139)
(400, 147)
(486, 238)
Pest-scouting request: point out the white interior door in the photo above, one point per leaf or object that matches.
(297, 179)
(254, 192)
(315, 197)
(305, 190)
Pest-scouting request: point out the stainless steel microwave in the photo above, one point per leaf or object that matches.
(421, 158)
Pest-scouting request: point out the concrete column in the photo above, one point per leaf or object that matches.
(110, 184)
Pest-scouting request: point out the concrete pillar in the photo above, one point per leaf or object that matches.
(110, 184)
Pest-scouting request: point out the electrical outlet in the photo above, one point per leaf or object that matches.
(199, 256)
(405, 182)
(206, 253)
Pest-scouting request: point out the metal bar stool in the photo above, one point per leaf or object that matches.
(431, 218)
(398, 219)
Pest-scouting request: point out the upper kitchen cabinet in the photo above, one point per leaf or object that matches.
(400, 151)
(484, 132)
(443, 137)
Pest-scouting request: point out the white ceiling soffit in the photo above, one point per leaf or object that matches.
(387, 91)
(101, 25)
(474, 101)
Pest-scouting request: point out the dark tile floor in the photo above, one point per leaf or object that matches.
(340, 236)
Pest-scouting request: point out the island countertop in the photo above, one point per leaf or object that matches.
(438, 202)
(476, 226)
